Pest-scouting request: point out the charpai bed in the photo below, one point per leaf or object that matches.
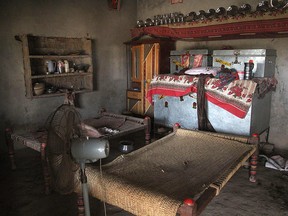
(110, 126)
(156, 179)
(114, 125)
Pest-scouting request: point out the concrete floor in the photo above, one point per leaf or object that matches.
(22, 193)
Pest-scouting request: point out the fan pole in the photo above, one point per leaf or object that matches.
(83, 178)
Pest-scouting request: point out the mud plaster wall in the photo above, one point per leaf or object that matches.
(109, 29)
(279, 111)
(65, 18)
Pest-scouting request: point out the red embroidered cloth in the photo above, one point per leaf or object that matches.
(253, 25)
(235, 97)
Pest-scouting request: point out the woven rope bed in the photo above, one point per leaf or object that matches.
(155, 179)
(118, 125)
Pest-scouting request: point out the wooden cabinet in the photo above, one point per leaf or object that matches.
(59, 63)
(147, 58)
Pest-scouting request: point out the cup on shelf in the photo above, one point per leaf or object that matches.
(60, 66)
(66, 66)
(51, 66)
(241, 75)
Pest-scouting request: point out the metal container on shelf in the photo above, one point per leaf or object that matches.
(263, 60)
(177, 55)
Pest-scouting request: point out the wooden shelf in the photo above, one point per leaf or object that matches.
(59, 56)
(37, 50)
(60, 75)
(45, 95)
(262, 25)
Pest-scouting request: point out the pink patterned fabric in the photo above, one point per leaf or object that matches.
(236, 97)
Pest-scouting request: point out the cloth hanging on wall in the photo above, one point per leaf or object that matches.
(198, 59)
(185, 60)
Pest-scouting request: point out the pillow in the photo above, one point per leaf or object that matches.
(202, 70)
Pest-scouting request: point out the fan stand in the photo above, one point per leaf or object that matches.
(88, 150)
(83, 179)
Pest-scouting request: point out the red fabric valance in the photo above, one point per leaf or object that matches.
(262, 26)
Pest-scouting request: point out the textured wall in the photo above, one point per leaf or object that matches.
(149, 8)
(109, 29)
(65, 18)
(279, 112)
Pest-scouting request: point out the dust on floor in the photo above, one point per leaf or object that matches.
(22, 193)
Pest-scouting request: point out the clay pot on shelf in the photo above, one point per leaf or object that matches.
(39, 88)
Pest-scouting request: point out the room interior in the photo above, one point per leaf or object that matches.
(105, 35)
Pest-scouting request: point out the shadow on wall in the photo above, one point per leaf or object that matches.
(95, 66)
(3, 125)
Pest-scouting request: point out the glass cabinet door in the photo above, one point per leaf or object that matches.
(137, 61)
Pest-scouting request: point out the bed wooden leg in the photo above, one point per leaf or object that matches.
(10, 146)
(192, 208)
(176, 126)
(188, 208)
(80, 204)
(45, 168)
(254, 158)
(253, 167)
(147, 122)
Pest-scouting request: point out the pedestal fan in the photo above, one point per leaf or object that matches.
(88, 150)
(66, 149)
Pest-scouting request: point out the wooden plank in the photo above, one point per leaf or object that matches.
(27, 68)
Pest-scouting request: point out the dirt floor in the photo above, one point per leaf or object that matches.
(22, 193)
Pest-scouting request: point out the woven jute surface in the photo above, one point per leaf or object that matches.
(122, 124)
(105, 121)
(155, 179)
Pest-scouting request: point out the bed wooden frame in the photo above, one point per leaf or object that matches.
(107, 181)
(190, 206)
(37, 140)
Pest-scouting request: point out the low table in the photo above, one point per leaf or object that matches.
(120, 125)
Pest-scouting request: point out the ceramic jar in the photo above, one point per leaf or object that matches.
(39, 88)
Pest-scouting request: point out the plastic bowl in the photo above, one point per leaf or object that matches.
(126, 146)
